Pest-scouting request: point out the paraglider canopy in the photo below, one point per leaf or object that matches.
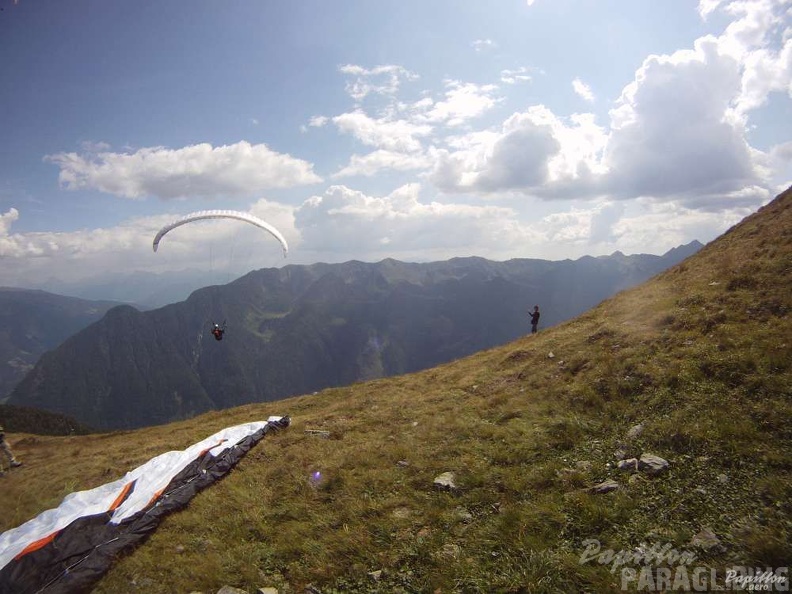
(222, 214)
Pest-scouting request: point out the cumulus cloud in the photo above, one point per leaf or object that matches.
(199, 170)
(80, 252)
(30, 258)
(582, 89)
(751, 39)
(665, 225)
(349, 221)
(707, 7)
(380, 80)
(385, 133)
(463, 102)
(679, 129)
(7, 219)
(520, 157)
(534, 152)
(404, 134)
(318, 121)
(677, 132)
(379, 160)
(670, 131)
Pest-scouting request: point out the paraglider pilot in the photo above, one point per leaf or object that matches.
(217, 331)
(534, 319)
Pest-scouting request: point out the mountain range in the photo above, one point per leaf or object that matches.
(33, 322)
(299, 329)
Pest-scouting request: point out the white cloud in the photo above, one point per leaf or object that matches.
(315, 122)
(535, 151)
(199, 170)
(318, 121)
(511, 77)
(748, 40)
(665, 225)
(583, 90)
(379, 160)
(707, 7)
(384, 133)
(765, 72)
(77, 253)
(482, 44)
(380, 80)
(463, 102)
(7, 219)
(670, 131)
(348, 222)
(676, 133)
(30, 258)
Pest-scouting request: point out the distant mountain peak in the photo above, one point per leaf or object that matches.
(685, 250)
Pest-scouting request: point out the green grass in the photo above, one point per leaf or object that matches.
(701, 355)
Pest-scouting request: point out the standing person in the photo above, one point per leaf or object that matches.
(534, 319)
(7, 450)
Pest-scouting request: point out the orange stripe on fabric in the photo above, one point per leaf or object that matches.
(121, 496)
(36, 545)
(155, 497)
(203, 453)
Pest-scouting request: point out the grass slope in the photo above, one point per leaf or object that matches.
(701, 355)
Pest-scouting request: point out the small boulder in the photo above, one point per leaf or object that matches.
(604, 487)
(231, 590)
(629, 465)
(651, 464)
(446, 482)
(635, 431)
(706, 540)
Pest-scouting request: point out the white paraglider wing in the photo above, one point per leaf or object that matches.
(222, 214)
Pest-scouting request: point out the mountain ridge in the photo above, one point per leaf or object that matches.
(34, 321)
(298, 329)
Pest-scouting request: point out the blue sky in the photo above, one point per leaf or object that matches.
(372, 129)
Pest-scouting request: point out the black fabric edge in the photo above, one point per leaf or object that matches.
(82, 552)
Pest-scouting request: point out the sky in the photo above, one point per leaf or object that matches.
(366, 130)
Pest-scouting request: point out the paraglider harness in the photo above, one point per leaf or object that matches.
(217, 331)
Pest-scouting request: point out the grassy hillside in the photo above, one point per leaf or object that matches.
(22, 418)
(701, 356)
